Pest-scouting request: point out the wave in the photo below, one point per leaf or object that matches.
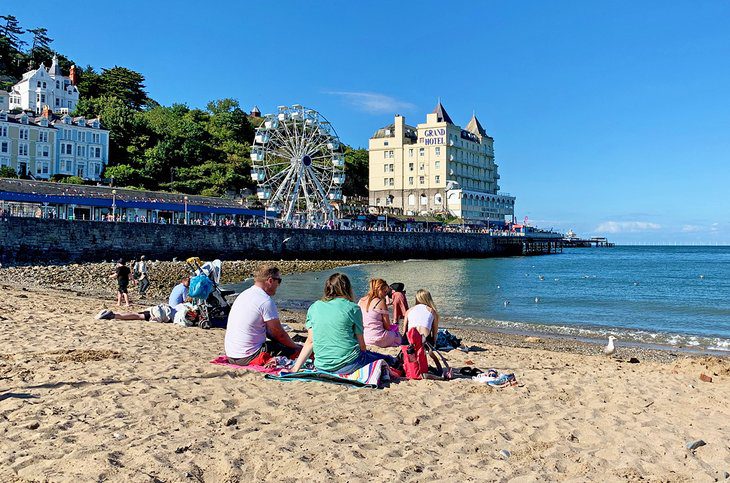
(594, 333)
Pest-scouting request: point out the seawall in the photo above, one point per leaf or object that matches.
(32, 240)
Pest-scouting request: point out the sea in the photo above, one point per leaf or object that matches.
(656, 296)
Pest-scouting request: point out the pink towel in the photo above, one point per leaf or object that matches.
(223, 361)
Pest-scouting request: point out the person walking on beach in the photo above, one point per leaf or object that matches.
(140, 270)
(335, 331)
(253, 317)
(375, 317)
(121, 273)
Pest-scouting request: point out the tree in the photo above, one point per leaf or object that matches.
(12, 59)
(11, 31)
(124, 84)
(41, 47)
(128, 131)
(88, 85)
(356, 171)
(7, 172)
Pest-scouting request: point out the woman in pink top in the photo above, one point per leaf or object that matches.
(375, 318)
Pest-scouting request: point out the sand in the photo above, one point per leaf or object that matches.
(89, 400)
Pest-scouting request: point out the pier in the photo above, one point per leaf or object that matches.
(596, 241)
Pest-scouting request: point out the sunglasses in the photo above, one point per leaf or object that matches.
(277, 279)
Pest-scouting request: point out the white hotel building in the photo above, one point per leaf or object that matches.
(437, 167)
(38, 136)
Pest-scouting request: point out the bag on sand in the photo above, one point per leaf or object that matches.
(415, 364)
(161, 313)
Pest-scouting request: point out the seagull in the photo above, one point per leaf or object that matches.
(636, 283)
(702, 276)
(498, 286)
(541, 277)
(286, 240)
(610, 348)
(537, 300)
(506, 303)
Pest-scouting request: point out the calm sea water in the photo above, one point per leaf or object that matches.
(656, 295)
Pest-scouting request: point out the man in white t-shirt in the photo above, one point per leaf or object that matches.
(253, 317)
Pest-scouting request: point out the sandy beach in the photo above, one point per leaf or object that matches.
(89, 400)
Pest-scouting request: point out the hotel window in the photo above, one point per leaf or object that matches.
(81, 151)
(67, 148)
(410, 153)
(66, 165)
(411, 199)
(58, 85)
(43, 137)
(410, 180)
(24, 133)
(95, 153)
(438, 179)
(421, 180)
(82, 136)
(422, 167)
(385, 143)
(67, 134)
(437, 164)
(392, 181)
(421, 151)
(4, 131)
(97, 169)
(43, 151)
(438, 151)
(4, 147)
(410, 166)
(95, 137)
(22, 149)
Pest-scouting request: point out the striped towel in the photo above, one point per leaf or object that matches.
(367, 376)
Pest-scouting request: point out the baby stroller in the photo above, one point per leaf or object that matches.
(205, 290)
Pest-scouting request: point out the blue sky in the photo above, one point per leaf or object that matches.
(609, 118)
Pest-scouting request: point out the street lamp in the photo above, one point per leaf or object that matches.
(185, 198)
(114, 205)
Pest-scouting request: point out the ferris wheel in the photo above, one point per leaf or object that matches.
(298, 164)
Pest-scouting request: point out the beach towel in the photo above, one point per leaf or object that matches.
(367, 376)
(279, 364)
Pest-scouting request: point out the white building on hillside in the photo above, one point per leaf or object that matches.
(46, 87)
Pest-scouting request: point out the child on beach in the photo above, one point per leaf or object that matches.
(375, 317)
(121, 273)
(399, 302)
(423, 316)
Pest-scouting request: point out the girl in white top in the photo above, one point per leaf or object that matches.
(423, 316)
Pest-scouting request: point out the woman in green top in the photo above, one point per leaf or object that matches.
(334, 326)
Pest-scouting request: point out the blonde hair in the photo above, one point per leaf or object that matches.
(423, 296)
(266, 271)
(338, 286)
(376, 286)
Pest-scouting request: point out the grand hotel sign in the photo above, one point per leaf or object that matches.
(433, 137)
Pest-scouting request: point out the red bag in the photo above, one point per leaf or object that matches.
(415, 364)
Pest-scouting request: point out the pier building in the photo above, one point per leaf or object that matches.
(437, 167)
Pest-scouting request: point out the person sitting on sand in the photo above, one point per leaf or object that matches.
(186, 314)
(253, 317)
(375, 318)
(399, 301)
(423, 316)
(121, 273)
(335, 331)
(179, 293)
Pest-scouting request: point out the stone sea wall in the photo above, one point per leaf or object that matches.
(34, 241)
